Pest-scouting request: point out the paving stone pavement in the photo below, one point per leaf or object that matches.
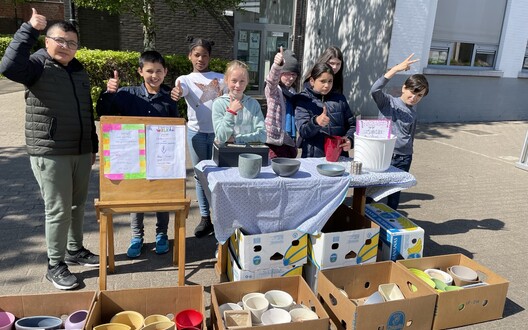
(470, 199)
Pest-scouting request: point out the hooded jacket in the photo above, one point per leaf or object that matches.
(309, 105)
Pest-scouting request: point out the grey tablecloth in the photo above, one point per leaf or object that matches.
(270, 203)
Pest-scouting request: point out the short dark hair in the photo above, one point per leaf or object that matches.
(64, 26)
(199, 42)
(151, 56)
(417, 83)
(320, 68)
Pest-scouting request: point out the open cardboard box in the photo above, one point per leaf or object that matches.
(467, 306)
(360, 281)
(295, 286)
(148, 301)
(51, 304)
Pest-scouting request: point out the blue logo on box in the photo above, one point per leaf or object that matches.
(396, 321)
(333, 257)
(256, 260)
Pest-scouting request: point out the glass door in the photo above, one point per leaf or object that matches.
(256, 45)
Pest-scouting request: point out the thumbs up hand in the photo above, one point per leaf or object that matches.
(177, 91)
(37, 21)
(323, 119)
(279, 57)
(113, 83)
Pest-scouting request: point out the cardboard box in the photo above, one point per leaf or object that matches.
(261, 251)
(51, 304)
(400, 238)
(344, 241)
(148, 301)
(295, 286)
(237, 273)
(360, 281)
(226, 154)
(467, 306)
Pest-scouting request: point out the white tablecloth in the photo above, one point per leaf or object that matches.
(270, 203)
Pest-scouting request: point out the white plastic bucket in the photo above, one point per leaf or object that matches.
(375, 154)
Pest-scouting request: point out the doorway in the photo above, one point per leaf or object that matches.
(256, 45)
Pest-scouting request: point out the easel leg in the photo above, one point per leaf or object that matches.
(111, 258)
(102, 250)
(181, 216)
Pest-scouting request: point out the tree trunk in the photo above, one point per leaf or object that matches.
(149, 33)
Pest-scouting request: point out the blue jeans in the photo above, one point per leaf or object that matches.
(200, 148)
(403, 162)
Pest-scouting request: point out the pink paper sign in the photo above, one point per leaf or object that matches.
(374, 128)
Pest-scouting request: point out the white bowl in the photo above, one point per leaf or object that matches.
(439, 275)
(229, 307)
(302, 314)
(275, 316)
(464, 273)
(374, 298)
(279, 299)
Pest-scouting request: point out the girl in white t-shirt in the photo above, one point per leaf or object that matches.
(200, 88)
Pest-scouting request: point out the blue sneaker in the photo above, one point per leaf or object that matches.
(134, 250)
(162, 244)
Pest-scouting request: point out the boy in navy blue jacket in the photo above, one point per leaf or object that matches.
(150, 99)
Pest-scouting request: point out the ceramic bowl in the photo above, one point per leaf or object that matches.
(188, 318)
(330, 169)
(279, 299)
(161, 325)
(229, 307)
(285, 166)
(112, 326)
(7, 320)
(38, 322)
(440, 275)
(76, 320)
(374, 298)
(131, 318)
(156, 318)
(302, 314)
(464, 273)
(275, 316)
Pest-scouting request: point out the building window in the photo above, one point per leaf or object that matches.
(467, 33)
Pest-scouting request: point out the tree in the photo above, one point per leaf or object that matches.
(145, 9)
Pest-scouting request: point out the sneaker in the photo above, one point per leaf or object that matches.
(61, 277)
(134, 250)
(204, 228)
(82, 257)
(162, 244)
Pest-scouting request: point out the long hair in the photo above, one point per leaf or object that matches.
(327, 55)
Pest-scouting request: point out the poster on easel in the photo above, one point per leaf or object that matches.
(165, 152)
(124, 151)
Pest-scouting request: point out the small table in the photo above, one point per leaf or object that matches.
(304, 201)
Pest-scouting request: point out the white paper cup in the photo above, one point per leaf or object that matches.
(257, 306)
(279, 299)
(275, 316)
(302, 314)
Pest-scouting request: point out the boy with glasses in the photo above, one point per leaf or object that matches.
(61, 139)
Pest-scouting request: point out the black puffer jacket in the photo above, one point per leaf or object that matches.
(309, 105)
(59, 115)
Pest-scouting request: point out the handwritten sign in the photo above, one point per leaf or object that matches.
(374, 128)
(124, 151)
(165, 152)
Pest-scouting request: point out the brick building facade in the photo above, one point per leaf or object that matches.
(13, 14)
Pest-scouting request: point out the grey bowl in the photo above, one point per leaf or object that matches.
(38, 322)
(330, 169)
(285, 166)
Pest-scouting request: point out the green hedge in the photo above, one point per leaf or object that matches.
(100, 65)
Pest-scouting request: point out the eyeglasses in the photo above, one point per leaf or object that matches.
(65, 43)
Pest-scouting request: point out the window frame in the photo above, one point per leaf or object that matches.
(488, 49)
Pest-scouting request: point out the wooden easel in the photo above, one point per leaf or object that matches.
(126, 196)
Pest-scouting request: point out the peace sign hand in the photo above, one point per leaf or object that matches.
(406, 64)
